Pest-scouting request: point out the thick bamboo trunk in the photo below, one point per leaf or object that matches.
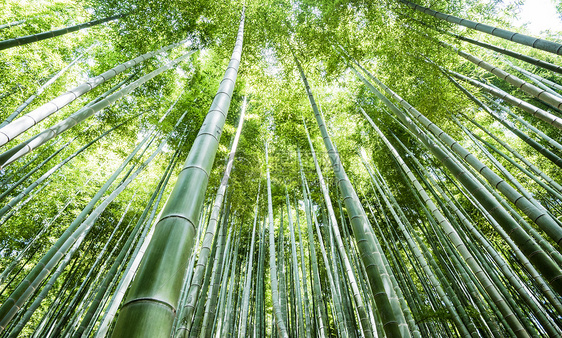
(188, 308)
(149, 310)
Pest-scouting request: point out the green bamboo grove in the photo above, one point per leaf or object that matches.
(279, 169)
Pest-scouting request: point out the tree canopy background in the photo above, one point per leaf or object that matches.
(400, 46)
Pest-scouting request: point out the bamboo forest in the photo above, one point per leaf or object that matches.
(280, 168)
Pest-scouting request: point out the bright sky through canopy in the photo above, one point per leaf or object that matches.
(539, 15)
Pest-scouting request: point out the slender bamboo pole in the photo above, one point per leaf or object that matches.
(52, 257)
(277, 311)
(545, 45)
(81, 115)
(365, 324)
(24, 40)
(15, 128)
(362, 231)
(41, 89)
(529, 108)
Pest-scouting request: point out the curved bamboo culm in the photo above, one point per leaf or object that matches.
(24, 40)
(361, 228)
(539, 258)
(150, 308)
(529, 108)
(81, 115)
(15, 128)
(195, 287)
(545, 45)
